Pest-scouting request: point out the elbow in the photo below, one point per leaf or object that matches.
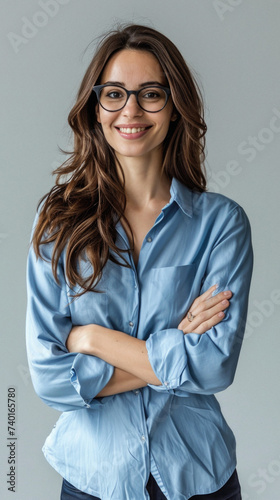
(44, 392)
(223, 382)
(220, 380)
(218, 376)
(52, 393)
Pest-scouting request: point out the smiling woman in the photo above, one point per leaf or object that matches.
(138, 283)
(135, 69)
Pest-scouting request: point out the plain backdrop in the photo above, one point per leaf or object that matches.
(233, 47)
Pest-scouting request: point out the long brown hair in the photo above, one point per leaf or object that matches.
(81, 211)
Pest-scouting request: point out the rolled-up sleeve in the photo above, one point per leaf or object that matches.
(63, 380)
(206, 363)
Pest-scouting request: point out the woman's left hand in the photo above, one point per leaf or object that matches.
(206, 311)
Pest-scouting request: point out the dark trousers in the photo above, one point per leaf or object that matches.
(230, 491)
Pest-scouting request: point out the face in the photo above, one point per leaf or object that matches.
(133, 69)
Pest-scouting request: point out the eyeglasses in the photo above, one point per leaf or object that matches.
(114, 97)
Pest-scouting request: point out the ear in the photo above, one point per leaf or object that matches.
(97, 112)
(174, 115)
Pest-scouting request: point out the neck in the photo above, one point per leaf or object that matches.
(145, 181)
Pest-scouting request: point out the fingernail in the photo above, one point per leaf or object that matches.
(227, 293)
(224, 302)
(214, 288)
(221, 314)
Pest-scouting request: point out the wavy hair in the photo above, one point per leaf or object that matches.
(81, 210)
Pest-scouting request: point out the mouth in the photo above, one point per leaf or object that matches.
(134, 132)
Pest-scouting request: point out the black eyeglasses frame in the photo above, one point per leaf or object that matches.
(97, 89)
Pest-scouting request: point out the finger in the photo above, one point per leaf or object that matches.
(211, 302)
(203, 317)
(206, 295)
(207, 325)
(206, 305)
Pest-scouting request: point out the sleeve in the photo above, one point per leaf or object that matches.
(206, 364)
(66, 381)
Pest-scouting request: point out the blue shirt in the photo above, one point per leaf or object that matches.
(108, 446)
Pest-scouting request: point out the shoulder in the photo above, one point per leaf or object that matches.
(209, 199)
(211, 213)
(208, 204)
(204, 203)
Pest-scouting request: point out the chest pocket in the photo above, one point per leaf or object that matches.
(170, 295)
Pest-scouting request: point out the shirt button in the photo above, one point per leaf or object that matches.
(165, 383)
(136, 392)
(143, 438)
(149, 239)
(131, 323)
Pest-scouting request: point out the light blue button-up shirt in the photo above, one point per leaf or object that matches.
(108, 446)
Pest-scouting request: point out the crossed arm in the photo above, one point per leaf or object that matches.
(129, 355)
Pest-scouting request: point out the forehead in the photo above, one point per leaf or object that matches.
(133, 67)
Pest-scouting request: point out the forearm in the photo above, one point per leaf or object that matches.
(116, 348)
(121, 381)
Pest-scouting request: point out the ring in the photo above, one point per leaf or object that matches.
(190, 316)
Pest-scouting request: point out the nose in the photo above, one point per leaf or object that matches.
(132, 107)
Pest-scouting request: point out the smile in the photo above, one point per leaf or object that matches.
(132, 130)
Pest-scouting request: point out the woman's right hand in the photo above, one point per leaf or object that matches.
(206, 311)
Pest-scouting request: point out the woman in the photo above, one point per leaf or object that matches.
(130, 326)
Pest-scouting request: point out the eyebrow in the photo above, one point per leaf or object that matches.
(145, 84)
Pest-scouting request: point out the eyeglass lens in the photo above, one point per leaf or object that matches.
(113, 98)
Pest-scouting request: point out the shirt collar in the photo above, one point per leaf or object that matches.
(182, 195)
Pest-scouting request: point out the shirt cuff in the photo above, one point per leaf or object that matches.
(167, 355)
(89, 375)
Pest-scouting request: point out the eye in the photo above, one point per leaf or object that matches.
(151, 94)
(113, 93)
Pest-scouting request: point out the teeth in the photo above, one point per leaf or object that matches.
(132, 130)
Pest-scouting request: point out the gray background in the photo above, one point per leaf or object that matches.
(233, 45)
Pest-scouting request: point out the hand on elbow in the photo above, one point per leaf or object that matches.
(206, 311)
